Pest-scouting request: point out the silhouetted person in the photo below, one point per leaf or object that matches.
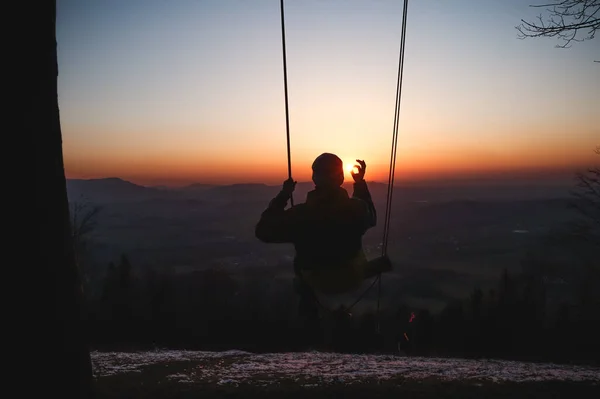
(326, 231)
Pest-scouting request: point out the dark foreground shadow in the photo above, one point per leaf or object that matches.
(124, 387)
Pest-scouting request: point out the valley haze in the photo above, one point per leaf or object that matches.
(444, 238)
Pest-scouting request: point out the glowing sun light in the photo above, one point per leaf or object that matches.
(349, 167)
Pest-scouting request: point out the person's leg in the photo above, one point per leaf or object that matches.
(378, 265)
(308, 311)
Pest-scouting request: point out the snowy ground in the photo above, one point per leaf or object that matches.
(234, 368)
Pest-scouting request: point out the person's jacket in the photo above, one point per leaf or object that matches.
(326, 230)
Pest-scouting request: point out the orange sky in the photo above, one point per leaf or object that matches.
(177, 93)
(476, 162)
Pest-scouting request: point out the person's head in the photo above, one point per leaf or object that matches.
(328, 171)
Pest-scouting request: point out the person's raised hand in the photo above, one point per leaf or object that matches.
(289, 186)
(361, 169)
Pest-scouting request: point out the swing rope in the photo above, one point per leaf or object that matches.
(285, 86)
(388, 210)
(392, 168)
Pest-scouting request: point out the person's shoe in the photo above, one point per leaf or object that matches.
(382, 264)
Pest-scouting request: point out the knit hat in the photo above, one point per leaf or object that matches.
(328, 171)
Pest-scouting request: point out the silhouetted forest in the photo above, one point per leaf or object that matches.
(209, 310)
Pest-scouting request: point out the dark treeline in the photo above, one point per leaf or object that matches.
(520, 318)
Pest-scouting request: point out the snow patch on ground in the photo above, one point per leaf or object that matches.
(315, 368)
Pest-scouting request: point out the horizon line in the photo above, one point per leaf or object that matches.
(444, 181)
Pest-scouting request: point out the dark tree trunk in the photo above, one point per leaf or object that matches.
(62, 363)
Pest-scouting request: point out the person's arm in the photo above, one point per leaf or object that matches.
(275, 224)
(362, 194)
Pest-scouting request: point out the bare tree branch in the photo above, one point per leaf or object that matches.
(83, 222)
(569, 20)
(587, 203)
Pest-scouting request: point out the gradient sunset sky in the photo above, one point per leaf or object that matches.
(173, 92)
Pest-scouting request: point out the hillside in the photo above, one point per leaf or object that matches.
(443, 239)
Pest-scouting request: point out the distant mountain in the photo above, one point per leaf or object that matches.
(119, 190)
(111, 189)
(164, 188)
(249, 191)
(196, 187)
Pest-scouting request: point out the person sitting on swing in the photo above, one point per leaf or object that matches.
(326, 230)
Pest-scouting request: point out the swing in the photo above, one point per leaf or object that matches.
(349, 278)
